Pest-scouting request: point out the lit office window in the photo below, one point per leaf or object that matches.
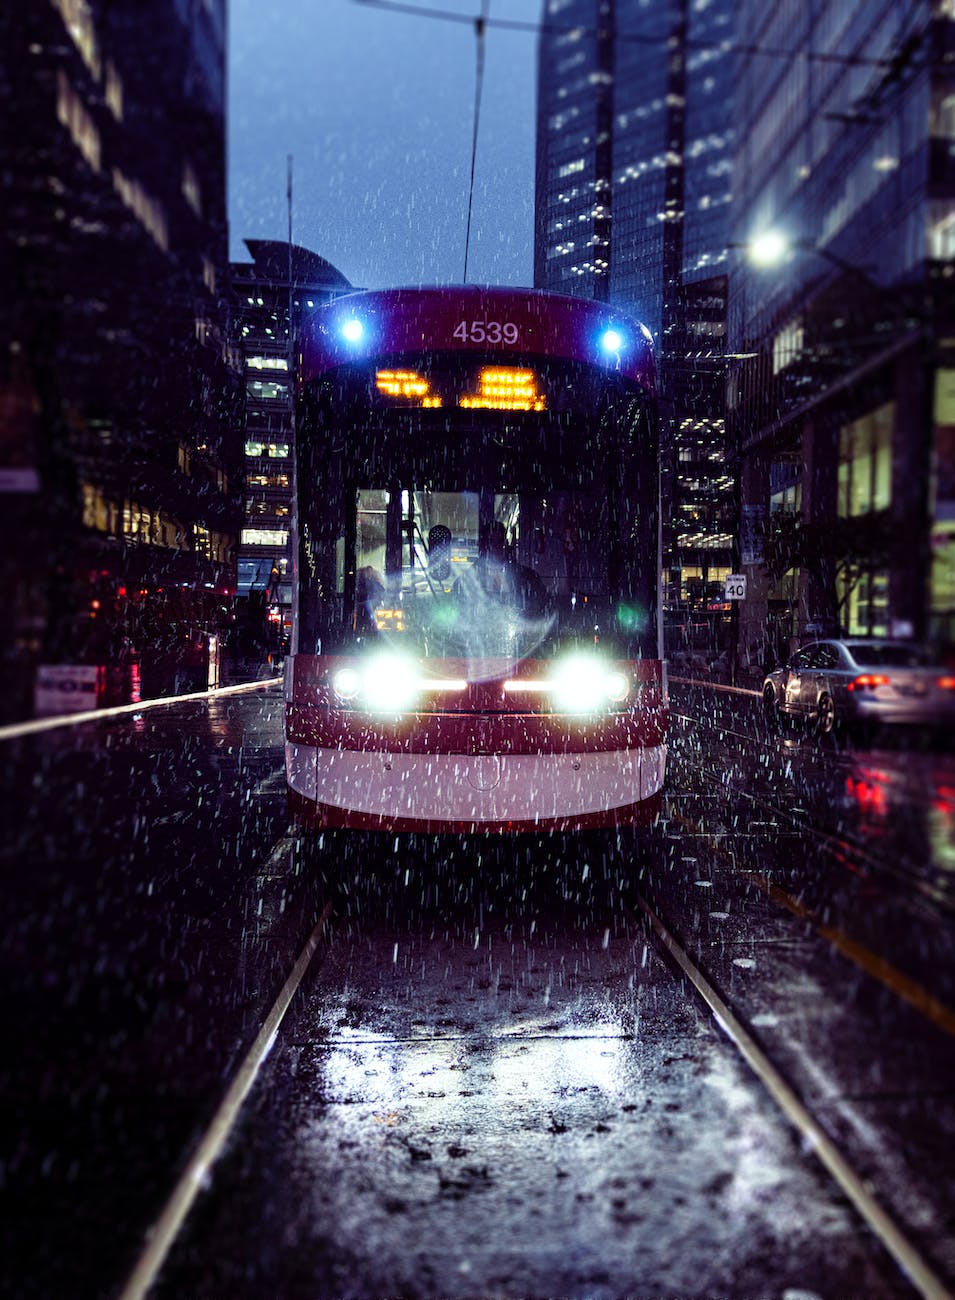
(265, 537)
(72, 115)
(113, 91)
(865, 463)
(190, 189)
(941, 230)
(78, 17)
(263, 389)
(276, 450)
(266, 363)
(147, 210)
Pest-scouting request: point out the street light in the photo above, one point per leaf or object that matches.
(768, 249)
(771, 248)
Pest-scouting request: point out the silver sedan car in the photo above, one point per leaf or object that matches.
(862, 680)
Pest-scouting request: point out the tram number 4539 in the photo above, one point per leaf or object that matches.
(485, 331)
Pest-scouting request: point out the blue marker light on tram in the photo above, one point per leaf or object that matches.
(611, 340)
(353, 330)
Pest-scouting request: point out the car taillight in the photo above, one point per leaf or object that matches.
(868, 681)
(947, 683)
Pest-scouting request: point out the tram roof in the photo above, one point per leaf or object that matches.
(390, 322)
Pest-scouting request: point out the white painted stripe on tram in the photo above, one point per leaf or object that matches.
(166, 1228)
(906, 1255)
(16, 729)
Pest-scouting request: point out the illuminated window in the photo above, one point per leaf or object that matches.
(209, 274)
(865, 603)
(113, 91)
(78, 18)
(98, 511)
(865, 463)
(72, 114)
(570, 168)
(274, 449)
(267, 390)
(941, 230)
(190, 189)
(943, 115)
(943, 567)
(267, 508)
(787, 345)
(147, 210)
(265, 537)
(266, 363)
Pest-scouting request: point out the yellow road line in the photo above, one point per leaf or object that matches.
(904, 987)
(879, 968)
(891, 1235)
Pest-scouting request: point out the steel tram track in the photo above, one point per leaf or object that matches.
(198, 1171)
(786, 1097)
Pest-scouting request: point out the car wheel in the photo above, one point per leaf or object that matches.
(825, 715)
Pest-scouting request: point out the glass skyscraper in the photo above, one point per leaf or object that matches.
(634, 159)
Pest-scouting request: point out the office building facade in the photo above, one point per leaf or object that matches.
(846, 413)
(279, 284)
(119, 463)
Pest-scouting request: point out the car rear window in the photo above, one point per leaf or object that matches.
(890, 656)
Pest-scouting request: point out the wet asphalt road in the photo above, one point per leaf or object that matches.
(510, 1098)
(492, 1083)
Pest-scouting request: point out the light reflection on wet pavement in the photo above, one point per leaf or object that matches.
(541, 1114)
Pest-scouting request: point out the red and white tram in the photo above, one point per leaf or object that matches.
(476, 639)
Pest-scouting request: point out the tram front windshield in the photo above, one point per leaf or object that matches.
(476, 533)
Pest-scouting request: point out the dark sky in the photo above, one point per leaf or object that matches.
(377, 110)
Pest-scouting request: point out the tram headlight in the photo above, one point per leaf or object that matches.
(611, 340)
(384, 683)
(347, 683)
(389, 683)
(353, 331)
(585, 684)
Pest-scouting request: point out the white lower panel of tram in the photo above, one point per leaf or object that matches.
(486, 787)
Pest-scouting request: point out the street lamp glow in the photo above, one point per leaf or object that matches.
(768, 249)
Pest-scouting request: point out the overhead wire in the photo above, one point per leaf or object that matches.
(480, 32)
(887, 62)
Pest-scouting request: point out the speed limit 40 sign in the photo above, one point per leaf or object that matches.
(735, 588)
